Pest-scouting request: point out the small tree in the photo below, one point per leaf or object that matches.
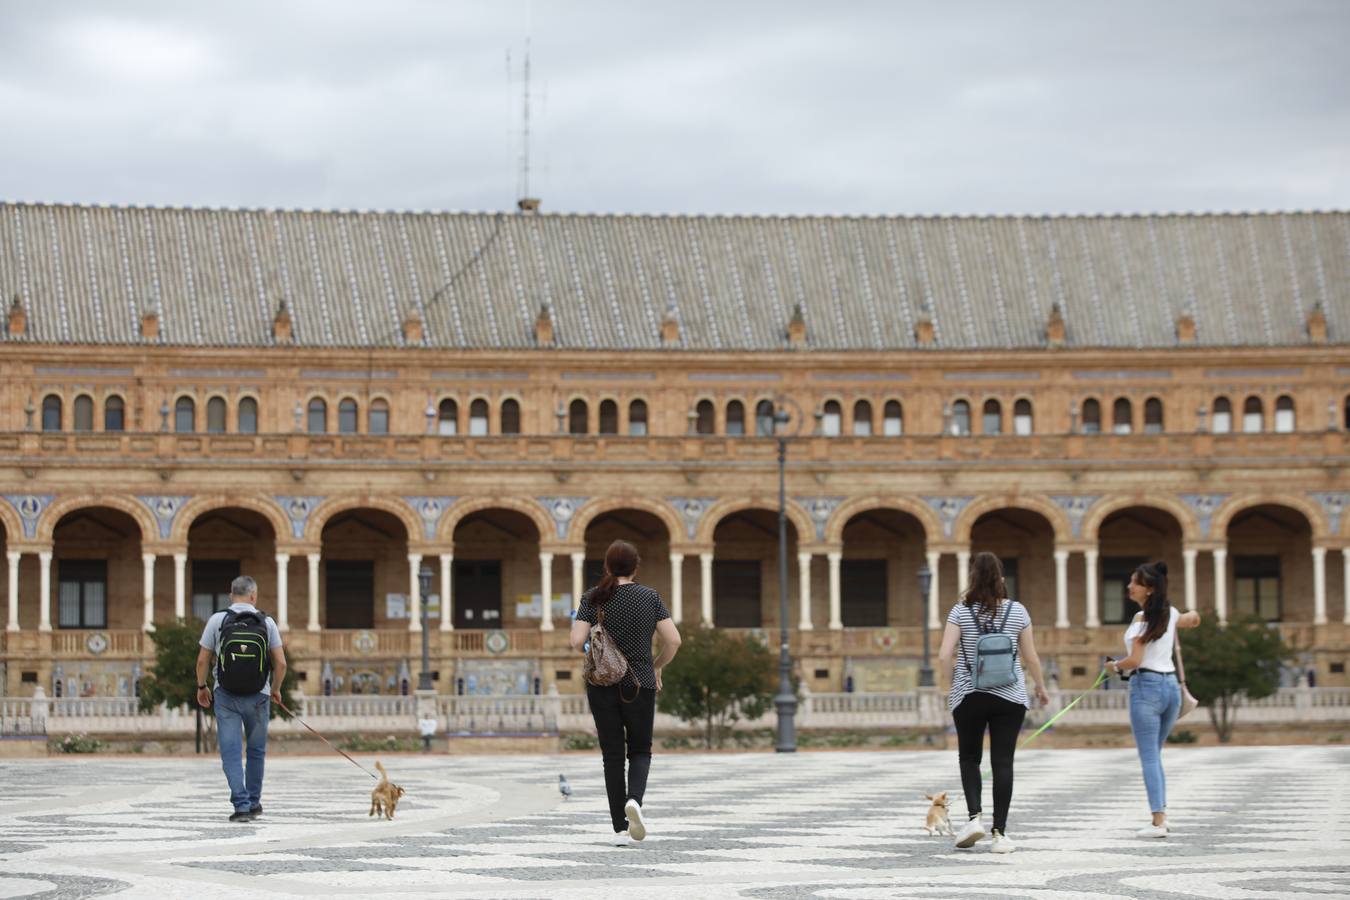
(717, 679)
(1227, 664)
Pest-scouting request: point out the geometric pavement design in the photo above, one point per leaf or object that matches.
(1248, 822)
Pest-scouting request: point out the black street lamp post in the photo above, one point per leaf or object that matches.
(786, 700)
(925, 584)
(424, 582)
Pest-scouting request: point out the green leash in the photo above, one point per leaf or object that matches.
(1057, 716)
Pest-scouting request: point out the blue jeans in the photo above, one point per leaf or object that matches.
(1155, 701)
(241, 720)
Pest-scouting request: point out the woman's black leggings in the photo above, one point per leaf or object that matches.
(1003, 718)
(623, 722)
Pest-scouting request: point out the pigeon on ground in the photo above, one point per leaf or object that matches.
(563, 787)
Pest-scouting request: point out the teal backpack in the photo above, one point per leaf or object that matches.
(995, 654)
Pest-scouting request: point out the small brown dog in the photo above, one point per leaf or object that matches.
(384, 799)
(938, 822)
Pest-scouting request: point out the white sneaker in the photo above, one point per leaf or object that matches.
(1152, 831)
(971, 832)
(620, 839)
(636, 829)
(1002, 844)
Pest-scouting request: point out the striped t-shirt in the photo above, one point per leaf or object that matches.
(964, 618)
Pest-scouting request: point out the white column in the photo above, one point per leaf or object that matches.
(836, 604)
(578, 579)
(1061, 589)
(705, 561)
(546, 591)
(1188, 559)
(180, 585)
(804, 591)
(414, 592)
(934, 592)
(313, 560)
(962, 570)
(447, 601)
(1221, 584)
(283, 592)
(1345, 582)
(1319, 585)
(13, 623)
(677, 587)
(147, 591)
(1094, 618)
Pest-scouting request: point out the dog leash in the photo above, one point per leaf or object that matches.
(327, 741)
(1057, 716)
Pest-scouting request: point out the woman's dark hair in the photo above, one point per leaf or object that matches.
(621, 561)
(1157, 611)
(986, 584)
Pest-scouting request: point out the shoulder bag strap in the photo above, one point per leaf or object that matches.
(961, 641)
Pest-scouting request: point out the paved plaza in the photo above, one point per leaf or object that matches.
(1249, 823)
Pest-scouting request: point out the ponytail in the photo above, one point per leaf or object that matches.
(1157, 611)
(621, 561)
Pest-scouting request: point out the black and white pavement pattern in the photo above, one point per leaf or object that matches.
(1248, 822)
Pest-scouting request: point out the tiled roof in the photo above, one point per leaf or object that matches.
(86, 275)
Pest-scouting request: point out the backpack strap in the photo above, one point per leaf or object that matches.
(1007, 611)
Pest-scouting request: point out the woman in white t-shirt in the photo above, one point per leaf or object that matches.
(1155, 692)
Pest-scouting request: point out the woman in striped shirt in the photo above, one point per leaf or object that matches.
(985, 608)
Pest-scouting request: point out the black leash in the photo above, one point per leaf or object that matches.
(327, 741)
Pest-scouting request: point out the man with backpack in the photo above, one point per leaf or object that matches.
(250, 667)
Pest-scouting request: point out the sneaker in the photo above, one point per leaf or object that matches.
(1002, 844)
(620, 839)
(633, 810)
(1152, 831)
(971, 832)
(255, 811)
(241, 815)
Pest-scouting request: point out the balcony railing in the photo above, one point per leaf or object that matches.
(64, 448)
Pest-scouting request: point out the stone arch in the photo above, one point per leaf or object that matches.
(205, 503)
(13, 525)
(576, 532)
(1030, 502)
(130, 505)
(800, 519)
(1224, 515)
(467, 506)
(1102, 509)
(329, 508)
(834, 526)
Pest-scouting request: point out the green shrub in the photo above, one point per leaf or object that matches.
(79, 743)
(1182, 737)
(360, 743)
(580, 742)
(718, 679)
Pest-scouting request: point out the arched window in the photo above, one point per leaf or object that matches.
(185, 415)
(960, 417)
(862, 419)
(1153, 416)
(736, 418)
(637, 418)
(215, 415)
(577, 415)
(379, 417)
(82, 411)
(893, 419)
(51, 413)
(1092, 416)
(1253, 415)
(1285, 421)
(1023, 423)
(764, 419)
(478, 417)
(1122, 416)
(447, 417)
(830, 421)
(347, 416)
(1222, 420)
(992, 419)
(318, 416)
(703, 417)
(510, 416)
(609, 417)
(248, 416)
(114, 414)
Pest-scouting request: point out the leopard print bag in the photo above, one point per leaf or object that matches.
(605, 663)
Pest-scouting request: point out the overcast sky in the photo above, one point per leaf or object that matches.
(682, 107)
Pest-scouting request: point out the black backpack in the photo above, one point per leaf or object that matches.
(243, 657)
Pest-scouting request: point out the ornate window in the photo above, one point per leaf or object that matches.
(1153, 416)
(764, 419)
(577, 417)
(992, 419)
(185, 415)
(51, 413)
(318, 416)
(831, 419)
(248, 416)
(82, 411)
(637, 418)
(893, 419)
(862, 419)
(1092, 416)
(114, 414)
(703, 417)
(1253, 415)
(1023, 424)
(1122, 416)
(478, 417)
(379, 417)
(609, 417)
(447, 417)
(347, 416)
(510, 416)
(1285, 420)
(215, 415)
(736, 418)
(1222, 420)
(960, 418)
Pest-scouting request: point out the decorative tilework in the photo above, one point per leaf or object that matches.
(948, 508)
(691, 511)
(1204, 506)
(165, 509)
(430, 510)
(562, 509)
(298, 510)
(30, 507)
(820, 508)
(1334, 504)
(1075, 507)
